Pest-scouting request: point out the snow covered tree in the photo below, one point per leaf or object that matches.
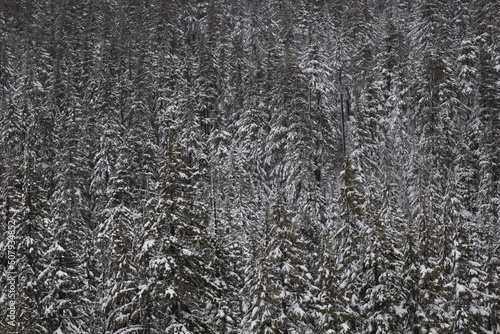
(30, 218)
(176, 276)
(349, 248)
(382, 300)
(464, 272)
(65, 302)
(319, 75)
(327, 302)
(467, 74)
(488, 162)
(116, 240)
(278, 288)
(66, 271)
(423, 267)
(379, 285)
(294, 149)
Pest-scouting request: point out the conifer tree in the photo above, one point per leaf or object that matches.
(464, 272)
(30, 219)
(176, 274)
(279, 288)
(319, 75)
(327, 301)
(349, 247)
(426, 269)
(70, 271)
(488, 162)
(116, 240)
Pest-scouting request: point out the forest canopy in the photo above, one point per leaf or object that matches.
(249, 166)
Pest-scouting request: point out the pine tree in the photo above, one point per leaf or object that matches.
(69, 275)
(318, 73)
(382, 265)
(278, 288)
(425, 270)
(327, 302)
(116, 240)
(176, 275)
(466, 169)
(349, 248)
(468, 72)
(464, 271)
(488, 162)
(29, 216)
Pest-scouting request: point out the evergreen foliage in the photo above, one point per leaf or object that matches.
(284, 166)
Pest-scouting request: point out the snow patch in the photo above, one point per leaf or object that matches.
(148, 244)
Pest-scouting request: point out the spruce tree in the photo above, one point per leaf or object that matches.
(349, 248)
(278, 287)
(176, 277)
(30, 217)
(488, 162)
(116, 239)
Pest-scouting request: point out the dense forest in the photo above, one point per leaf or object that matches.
(249, 166)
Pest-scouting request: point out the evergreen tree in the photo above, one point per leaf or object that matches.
(28, 211)
(426, 270)
(464, 272)
(69, 273)
(176, 274)
(327, 301)
(488, 161)
(278, 287)
(349, 248)
(116, 238)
